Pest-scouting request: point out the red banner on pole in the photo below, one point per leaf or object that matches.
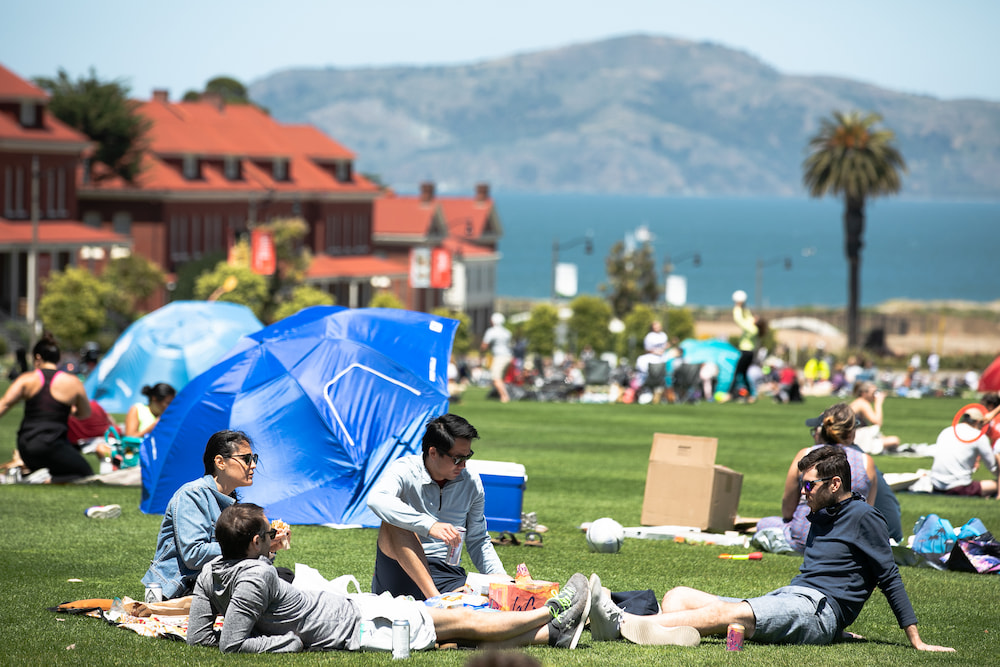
(263, 260)
(440, 268)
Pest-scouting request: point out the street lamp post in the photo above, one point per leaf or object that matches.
(668, 266)
(587, 241)
(759, 286)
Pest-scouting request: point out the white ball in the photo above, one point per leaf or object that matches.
(605, 536)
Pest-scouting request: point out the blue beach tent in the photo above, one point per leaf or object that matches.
(329, 396)
(173, 344)
(719, 352)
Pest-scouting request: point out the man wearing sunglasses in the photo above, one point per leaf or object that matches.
(422, 501)
(847, 555)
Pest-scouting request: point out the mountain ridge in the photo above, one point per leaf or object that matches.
(636, 114)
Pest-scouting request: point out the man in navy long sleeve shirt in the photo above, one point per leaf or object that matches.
(847, 555)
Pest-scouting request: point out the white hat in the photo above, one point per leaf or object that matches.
(497, 319)
(975, 414)
(739, 296)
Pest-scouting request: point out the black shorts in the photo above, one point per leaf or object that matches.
(389, 576)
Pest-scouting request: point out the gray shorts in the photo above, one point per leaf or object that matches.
(792, 615)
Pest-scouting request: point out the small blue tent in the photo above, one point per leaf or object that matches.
(329, 396)
(718, 352)
(173, 344)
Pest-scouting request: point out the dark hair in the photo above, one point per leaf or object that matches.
(991, 400)
(223, 443)
(838, 424)
(47, 349)
(444, 430)
(829, 461)
(159, 392)
(761, 328)
(236, 527)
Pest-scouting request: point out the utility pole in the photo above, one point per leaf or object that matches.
(33, 254)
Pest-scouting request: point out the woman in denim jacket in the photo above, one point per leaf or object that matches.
(187, 535)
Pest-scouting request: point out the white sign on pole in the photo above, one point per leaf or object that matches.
(677, 290)
(566, 279)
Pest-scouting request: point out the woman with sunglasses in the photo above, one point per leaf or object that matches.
(187, 535)
(836, 426)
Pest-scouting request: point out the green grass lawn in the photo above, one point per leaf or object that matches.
(583, 462)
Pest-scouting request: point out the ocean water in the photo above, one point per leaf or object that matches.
(913, 250)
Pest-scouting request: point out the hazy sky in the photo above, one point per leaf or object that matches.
(947, 50)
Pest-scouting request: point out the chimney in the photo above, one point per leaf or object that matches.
(427, 191)
(161, 95)
(482, 191)
(215, 99)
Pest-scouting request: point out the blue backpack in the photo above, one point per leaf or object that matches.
(933, 536)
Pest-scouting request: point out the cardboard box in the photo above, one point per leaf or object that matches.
(504, 485)
(523, 596)
(684, 487)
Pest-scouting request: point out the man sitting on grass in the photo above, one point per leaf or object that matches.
(847, 554)
(264, 614)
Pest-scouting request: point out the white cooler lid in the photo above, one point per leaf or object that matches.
(499, 468)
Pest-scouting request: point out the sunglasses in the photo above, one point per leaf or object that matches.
(270, 533)
(246, 458)
(459, 460)
(811, 484)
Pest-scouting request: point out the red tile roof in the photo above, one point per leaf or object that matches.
(13, 87)
(467, 217)
(245, 132)
(458, 247)
(406, 216)
(355, 266)
(52, 232)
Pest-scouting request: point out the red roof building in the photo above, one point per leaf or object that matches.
(468, 228)
(210, 172)
(39, 156)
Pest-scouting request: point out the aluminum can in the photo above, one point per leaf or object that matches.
(400, 639)
(734, 637)
(154, 593)
(455, 553)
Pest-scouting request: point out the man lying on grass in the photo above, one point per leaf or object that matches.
(847, 554)
(263, 613)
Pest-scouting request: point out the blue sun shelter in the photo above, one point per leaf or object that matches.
(329, 396)
(173, 344)
(719, 352)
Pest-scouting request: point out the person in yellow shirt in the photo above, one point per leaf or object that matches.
(749, 336)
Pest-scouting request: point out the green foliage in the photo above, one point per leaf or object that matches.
(848, 156)
(632, 278)
(385, 299)
(679, 324)
(463, 334)
(132, 280)
(74, 306)
(588, 326)
(540, 329)
(303, 296)
(231, 90)
(102, 111)
(187, 274)
(250, 290)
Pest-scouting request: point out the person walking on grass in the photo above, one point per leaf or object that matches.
(847, 555)
(264, 614)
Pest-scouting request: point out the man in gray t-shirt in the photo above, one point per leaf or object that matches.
(264, 614)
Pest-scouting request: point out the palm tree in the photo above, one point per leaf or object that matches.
(848, 156)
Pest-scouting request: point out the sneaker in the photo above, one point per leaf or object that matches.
(103, 512)
(569, 609)
(605, 615)
(647, 632)
(40, 476)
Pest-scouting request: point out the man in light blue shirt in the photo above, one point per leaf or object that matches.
(423, 500)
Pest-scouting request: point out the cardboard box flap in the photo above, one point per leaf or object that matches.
(683, 449)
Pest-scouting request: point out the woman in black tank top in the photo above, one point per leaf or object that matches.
(42, 441)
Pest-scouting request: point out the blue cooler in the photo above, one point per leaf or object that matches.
(504, 484)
